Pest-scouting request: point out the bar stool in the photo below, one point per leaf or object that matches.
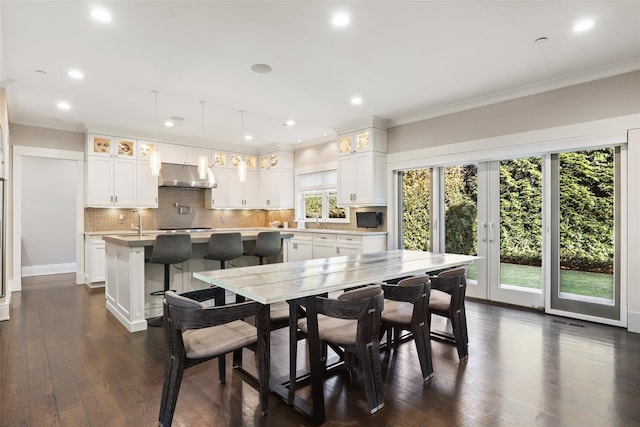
(268, 243)
(168, 249)
(224, 247)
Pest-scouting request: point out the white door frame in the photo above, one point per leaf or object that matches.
(19, 152)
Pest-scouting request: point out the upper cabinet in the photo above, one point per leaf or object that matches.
(275, 186)
(118, 174)
(182, 154)
(370, 139)
(362, 171)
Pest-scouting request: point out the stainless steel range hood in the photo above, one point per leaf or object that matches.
(184, 176)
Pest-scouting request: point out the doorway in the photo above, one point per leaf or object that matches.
(22, 156)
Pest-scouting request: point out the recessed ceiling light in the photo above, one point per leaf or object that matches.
(248, 137)
(356, 100)
(261, 68)
(64, 105)
(101, 15)
(168, 123)
(340, 20)
(75, 74)
(289, 123)
(583, 25)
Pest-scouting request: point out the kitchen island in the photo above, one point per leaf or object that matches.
(129, 280)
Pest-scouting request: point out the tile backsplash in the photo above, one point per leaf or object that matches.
(172, 201)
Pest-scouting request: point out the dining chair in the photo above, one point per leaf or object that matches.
(448, 290)
(406, 307)
(352, 322)
(196, 334)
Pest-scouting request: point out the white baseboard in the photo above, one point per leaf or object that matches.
(5, 304)
(43, 270)
(633, 321)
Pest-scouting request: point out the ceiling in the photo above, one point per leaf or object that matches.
(407, 60)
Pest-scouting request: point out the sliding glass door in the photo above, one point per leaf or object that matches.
(546, 228)
(585, 237)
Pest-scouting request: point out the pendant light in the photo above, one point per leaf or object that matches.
(242, 166)
(203, 161)
(155, 161)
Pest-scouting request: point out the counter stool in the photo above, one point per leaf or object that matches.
(224, 247)
(168, 249)
(268, 243)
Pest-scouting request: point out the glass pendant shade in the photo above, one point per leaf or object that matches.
(155, 162)
(242, 170)
(203, 165)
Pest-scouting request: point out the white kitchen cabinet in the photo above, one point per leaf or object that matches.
(324, 245)
(183, 154)
(243, 195)
(218, 197)
(94, 260)
(312, 244)
(362, 179)
(275, 189)
(299, 247)
(146, 186)
(370, 139)
(111, 181)
(362, 163)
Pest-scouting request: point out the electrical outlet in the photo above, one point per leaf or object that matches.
(121, 218)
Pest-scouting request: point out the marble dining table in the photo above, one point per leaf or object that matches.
(304, 280)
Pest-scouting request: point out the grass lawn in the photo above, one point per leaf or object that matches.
(573, 282)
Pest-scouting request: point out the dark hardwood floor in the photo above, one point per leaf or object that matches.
(64, 361)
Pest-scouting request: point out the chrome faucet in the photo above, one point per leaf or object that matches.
(139, 222)
(317, 216)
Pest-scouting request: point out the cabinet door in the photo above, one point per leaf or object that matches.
(99, 181)
(324, 249)
(250, 189)
(266, 187)
(343, 249)
(299, 250)
(171, 153)
(218, 197)
(281, 196)
(369, 179)
(124, 182)
(346, 186)
(345, 144)
(192, 154)
(100, 145)
(97, 266)
(146, 186)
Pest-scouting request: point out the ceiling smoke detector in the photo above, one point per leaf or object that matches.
(261, 68)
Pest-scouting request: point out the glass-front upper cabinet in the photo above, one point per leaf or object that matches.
(362, 140)
(103, 145)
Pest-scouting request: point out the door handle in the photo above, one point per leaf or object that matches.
(484, 232)
(492, 231)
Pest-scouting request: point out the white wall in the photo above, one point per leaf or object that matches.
(49, 218)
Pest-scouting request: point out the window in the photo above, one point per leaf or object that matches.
(318, 197)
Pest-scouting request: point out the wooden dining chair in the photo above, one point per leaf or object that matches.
(406, 307)
(196, 334)
(352, 322)
(448, 290)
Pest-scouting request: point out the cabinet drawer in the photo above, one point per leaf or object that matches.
(324, 237)
(349, 239)
(301, 236)
(97, 240)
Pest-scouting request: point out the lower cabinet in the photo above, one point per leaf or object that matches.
(94, 261)
(311, 245)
